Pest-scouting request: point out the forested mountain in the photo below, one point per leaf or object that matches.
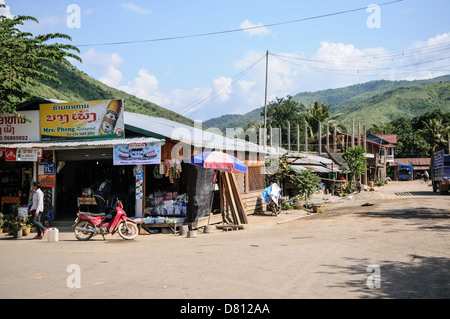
(375, 102)
(78, 86)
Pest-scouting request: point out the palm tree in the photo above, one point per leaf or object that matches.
(436, 132)
(319, 112)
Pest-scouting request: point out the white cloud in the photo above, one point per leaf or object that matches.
(222, 85)
(143, 86)
(333, 65)
(6, 11)
(254, 29)
(112, 76)
(134, 8)
(104, 64)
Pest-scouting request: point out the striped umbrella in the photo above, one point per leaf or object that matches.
(219, 161)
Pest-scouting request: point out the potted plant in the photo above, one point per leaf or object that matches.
(15, 226)
(26, 229)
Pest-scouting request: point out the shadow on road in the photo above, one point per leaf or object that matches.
(420, 278)
(419, 212)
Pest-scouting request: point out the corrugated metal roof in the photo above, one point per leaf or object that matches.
(57, 145)
(412, 161)
(187, 134)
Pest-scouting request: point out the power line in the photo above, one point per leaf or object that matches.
(215, 93)
(235, 30)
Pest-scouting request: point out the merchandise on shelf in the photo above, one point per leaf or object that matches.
(166, 204)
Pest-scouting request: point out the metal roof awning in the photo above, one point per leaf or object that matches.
(195, 136)
(64, 145)
(314, 169)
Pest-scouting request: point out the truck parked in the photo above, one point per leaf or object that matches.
(440, 172)
(405, 172)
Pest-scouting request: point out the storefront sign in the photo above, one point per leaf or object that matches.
(46, 174)
(10, 154)
(84, 120)
(27, 154)
(13, 129)
(137, 153)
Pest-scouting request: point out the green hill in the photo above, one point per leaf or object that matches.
(375, 102)
(78, 86)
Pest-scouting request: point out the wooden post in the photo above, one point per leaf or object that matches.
(353, 132)
(298, 138)
(306, 138)
(289, 136)
(320, 138)
(334, 140)
(328, 136)
(365, 151)
(359, 134)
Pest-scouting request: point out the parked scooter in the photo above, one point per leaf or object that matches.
(271, 196)
(89, 224)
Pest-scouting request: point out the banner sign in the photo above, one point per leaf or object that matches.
(137, 154)
(13, 129)
(83, 120)
(46, 174)
(139, 182)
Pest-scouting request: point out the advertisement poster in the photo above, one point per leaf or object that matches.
(137, 154)
(82, 120)
(13, 129)
(46, 174)
(139, 182)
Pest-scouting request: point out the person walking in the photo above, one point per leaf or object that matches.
(36, 209)
(358, 185)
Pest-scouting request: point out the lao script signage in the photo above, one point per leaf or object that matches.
(84, 120)
(14, 129)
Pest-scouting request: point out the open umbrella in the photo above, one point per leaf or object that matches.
(219, 161)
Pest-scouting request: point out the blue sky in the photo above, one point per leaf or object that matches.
(202, 77)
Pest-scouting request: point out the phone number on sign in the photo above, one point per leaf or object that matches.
(14, 138)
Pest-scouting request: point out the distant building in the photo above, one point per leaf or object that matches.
(379, 150)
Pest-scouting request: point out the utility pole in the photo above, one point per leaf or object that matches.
(265, 101)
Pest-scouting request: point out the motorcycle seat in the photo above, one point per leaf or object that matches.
(92, 214)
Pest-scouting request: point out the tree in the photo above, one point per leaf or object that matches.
(305, 183)
(436, 132)
(356, 160)
(319, 112)
(23, 57)
(281, 111)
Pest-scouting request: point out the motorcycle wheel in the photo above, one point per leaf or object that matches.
(128, 230)
(84, 235)
(276, 210)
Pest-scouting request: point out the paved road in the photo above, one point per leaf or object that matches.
(403, 239)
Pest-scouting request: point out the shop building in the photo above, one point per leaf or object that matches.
(148, 163)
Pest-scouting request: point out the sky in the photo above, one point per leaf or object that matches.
(204, 58)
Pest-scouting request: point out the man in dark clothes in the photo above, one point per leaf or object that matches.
(102, 192)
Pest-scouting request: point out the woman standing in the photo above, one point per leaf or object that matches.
(36, 210)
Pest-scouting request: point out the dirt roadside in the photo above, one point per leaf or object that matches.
(402, 230)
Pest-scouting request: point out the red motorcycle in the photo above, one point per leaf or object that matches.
(89, 224)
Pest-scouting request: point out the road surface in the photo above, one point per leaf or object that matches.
(391, 243)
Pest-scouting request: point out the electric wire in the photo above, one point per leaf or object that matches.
(236, 30)
(195, 105)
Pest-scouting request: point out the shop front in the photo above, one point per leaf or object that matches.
(77, 145)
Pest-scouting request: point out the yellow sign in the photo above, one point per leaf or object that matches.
(83, 120)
